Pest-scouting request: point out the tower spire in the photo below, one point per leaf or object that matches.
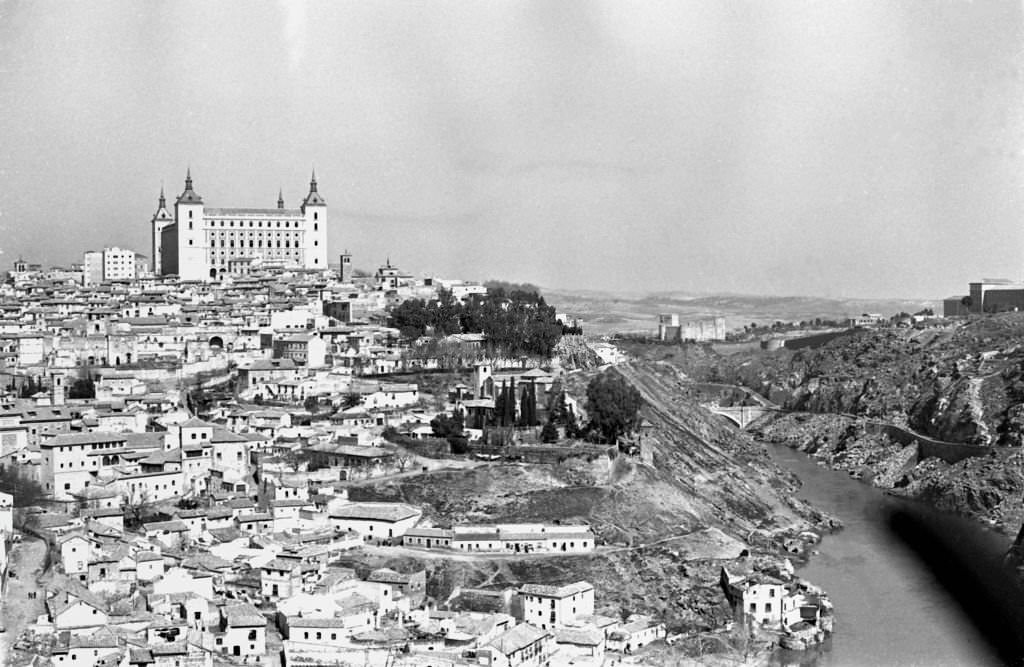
(312, 182)
(280, 198)
(189, 196)
(163, 200)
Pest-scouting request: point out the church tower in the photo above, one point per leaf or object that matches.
(345, 267)
(314, 240)
(161, 219)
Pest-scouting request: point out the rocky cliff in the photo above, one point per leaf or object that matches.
(959, 382)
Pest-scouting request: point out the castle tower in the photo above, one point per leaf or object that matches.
(192, 242)
(314, 240)
(161, 219)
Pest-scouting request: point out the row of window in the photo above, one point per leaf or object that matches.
(259, 243)
(288, 224)
(225, 255)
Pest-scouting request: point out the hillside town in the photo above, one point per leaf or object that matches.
(186, 458)
(260, 459)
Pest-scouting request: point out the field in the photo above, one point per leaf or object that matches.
(603, 313)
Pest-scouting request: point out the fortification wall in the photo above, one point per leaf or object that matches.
(950, 452)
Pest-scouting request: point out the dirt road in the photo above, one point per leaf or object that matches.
(17, 610)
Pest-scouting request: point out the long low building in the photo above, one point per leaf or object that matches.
(514, 538)
(375, 520)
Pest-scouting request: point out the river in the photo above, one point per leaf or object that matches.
(890, 609)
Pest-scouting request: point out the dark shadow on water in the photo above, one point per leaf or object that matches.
(969, 563)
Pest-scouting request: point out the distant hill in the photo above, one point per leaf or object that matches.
(607, 312)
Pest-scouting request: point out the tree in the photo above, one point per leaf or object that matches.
(135, 503)
(402, 460)
(351, 400)
(447, 427)
(514, 322)
(26, 491)
(29, 388)
(613, 405)
(528, 406)
(294, 458)
(451, 429)
(82, 388)
(549, 433)
(411, 318)
(311, 404)
(459, 444)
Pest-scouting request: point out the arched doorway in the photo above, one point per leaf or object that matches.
(217, 341)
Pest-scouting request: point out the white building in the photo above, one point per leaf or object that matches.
(555, 606)
(244, 632)
(111, 264)
(6, 513)
(201, 243)
(118, 264)
(70, 462)
(375, 520)
(92, 267)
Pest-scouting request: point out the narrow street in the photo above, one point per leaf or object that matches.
(17, 610)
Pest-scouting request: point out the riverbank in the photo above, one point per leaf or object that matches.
(988, 489)
(890, 610)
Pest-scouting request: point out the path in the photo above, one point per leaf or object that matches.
(17, 611)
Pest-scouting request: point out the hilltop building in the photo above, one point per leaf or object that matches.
(988, 296)
(672, 331)
(197, 242)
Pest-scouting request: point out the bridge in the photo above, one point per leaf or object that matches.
(741, 415)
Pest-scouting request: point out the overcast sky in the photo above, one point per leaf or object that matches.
(867, 148)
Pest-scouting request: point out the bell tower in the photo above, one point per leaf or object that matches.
(161, 219)
(345, 267)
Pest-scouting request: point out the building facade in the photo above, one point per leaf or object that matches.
(197, 242)
(112, 264)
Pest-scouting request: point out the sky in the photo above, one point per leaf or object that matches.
(871, 148)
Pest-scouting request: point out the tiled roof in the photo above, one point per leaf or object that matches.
(242, 615)
(518, 638)
(390, 512)
(565, 591)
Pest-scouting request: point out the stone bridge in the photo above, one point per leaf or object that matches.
(741, 415)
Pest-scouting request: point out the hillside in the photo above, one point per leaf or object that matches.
(960, 382)
(668, 520)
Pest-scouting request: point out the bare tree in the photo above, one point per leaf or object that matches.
(135, 503)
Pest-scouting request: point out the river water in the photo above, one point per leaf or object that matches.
(890, 609)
